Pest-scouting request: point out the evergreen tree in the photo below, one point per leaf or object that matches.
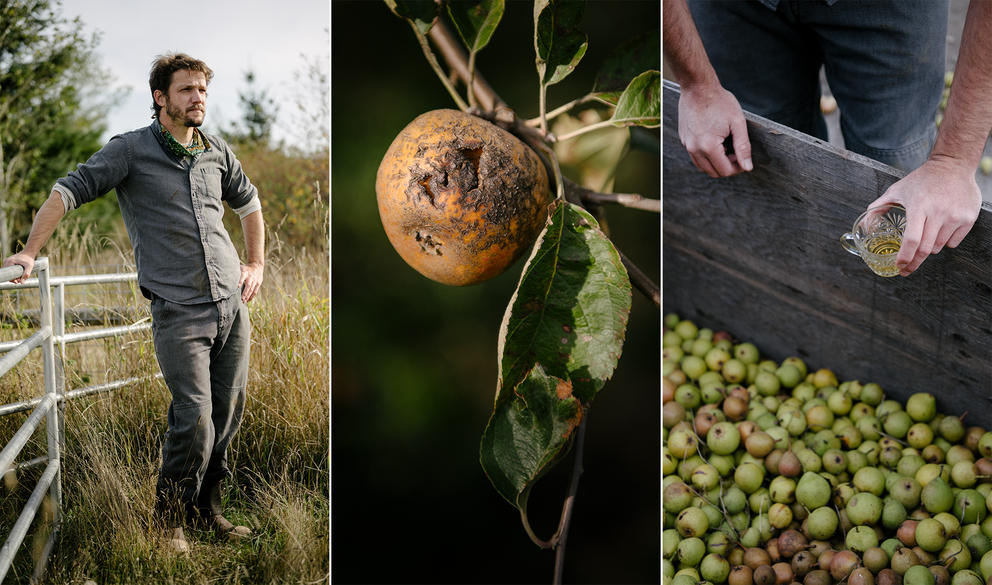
(258, 115)
(46, 66)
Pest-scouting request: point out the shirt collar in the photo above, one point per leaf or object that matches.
(198, 146)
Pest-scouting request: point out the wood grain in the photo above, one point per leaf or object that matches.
(759, 255)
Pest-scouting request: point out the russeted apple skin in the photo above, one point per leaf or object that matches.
(461, 199)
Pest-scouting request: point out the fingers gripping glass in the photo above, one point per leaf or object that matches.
(876, 237)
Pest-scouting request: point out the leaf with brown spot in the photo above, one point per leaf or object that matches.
(560, 340)
(528, 433)
(574, 282)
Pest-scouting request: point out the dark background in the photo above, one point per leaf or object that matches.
(414, 362)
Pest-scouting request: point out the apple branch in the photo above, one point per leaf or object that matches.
(632, 200)
(457, 59)
(432, 60)
(496, 110)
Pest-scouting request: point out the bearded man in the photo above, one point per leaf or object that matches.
(172, 182)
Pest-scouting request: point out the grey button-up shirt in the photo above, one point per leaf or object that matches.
(773, 4)
(173, 210)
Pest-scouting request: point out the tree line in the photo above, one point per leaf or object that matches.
(50, 120)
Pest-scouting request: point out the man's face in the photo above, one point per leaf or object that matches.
(186, 102)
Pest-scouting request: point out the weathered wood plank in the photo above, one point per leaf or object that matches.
(759, 255)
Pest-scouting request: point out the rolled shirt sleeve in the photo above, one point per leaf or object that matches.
(68, 199)
(248, 209)
(99, 174)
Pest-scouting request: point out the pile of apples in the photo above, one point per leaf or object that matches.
(777, 474)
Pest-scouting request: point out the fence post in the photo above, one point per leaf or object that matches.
(48, 357)
(59, 332)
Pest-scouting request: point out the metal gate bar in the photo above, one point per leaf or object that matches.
(49, 405)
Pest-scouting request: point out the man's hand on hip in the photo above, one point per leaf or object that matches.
(251, 280)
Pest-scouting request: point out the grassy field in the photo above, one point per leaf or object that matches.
(112, 446)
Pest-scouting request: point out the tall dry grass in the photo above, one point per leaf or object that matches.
(109, 533)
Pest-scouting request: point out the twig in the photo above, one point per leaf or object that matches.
(542, 106)
(589, 128)
(436, 66)
(530, 531)
(457, 59)
(641, 281)
(543, 147)
(632, 200)
(566, 512)
(471, 79)
(536, 122)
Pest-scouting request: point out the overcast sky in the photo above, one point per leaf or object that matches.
(267, 37)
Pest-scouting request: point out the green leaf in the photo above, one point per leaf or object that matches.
(591, 158)
(528, 433)
(475, 20)
(560, 340)
(609, 98)
(627, 61)
(420, 13)
(569, 312)
(558, 42)
(640, 103)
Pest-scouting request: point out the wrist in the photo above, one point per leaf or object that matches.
(30, 251)
(701, 84)
(955, 164)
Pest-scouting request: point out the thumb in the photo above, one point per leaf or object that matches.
(891, 196)
(742, 144)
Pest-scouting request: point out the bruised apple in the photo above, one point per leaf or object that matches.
(461, 199)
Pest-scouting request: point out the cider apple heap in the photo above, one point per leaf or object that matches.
(460, 199)
(777, 475)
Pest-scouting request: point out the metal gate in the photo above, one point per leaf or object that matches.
(50, 333)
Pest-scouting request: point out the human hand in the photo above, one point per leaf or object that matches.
(942, 202)
(707, 117)
(26, 261)
(251, 280)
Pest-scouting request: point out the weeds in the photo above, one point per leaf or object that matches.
(111, 456)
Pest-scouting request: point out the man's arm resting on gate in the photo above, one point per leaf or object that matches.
(42, 228)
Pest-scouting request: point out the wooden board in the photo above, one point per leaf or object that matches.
(759, 255)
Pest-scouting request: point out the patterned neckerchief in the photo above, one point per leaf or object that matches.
(200, 144)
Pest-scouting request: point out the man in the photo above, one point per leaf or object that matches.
(884, 60)
(171, 181)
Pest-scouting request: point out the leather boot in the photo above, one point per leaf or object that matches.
(175, 540)
(208, 506)
(172, 521)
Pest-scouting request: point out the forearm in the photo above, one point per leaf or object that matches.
(968, 117)
(683, 48)
(254, 230)
(44, 224)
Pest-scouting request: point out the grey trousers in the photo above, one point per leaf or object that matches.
(884, 62)
(203, 352)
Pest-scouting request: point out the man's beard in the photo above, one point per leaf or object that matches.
(179, 116)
